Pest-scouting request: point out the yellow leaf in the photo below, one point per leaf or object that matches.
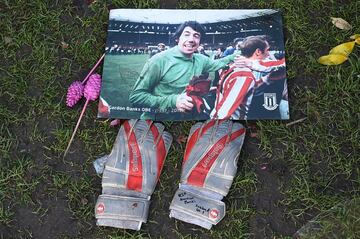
(355, 36)
(333, 59)
(357, 40)
(341, 23)
(344, 49)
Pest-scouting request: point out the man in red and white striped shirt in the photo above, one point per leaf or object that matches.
(237, 84)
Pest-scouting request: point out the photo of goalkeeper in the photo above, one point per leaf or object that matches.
(182, 80)
(165, 77)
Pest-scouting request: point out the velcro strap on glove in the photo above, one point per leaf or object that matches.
(121, 211)
(197, 209)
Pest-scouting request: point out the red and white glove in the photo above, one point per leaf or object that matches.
(131, 172)
(209, 166)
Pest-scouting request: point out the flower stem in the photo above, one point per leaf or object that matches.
(76, 127)
(93, 69)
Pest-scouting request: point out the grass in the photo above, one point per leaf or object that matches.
(121, 71)
(312, 166)
(334, 222)
(16, 183)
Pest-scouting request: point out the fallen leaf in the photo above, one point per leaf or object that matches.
(84, 201)
(64, 45)
(343, 49)
(89, 2)
(332, 59)
(341, 23)
(8, 40)
(355, 36)
(181, 139)
(357, 40)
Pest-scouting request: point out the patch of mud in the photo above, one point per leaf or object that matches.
(73, 163)
(57, 221)
(82, 7)
(270, 219)
(23, 52)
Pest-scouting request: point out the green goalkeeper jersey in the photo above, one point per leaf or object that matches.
(165, 76)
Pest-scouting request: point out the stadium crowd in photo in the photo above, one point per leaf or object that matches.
(132, 37)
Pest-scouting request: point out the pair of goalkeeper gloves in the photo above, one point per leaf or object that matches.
(132, 169)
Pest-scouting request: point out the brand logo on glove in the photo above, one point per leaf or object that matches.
(100, 208)
(214, 153)
(214, 213)
(135, 167)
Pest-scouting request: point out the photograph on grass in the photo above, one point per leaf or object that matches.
(194, 65)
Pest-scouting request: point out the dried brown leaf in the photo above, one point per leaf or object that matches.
(64, 45)
(89, 2)
(181, 139)
(84, 201)
(340, 23)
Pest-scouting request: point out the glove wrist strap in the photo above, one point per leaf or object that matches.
(196, 209)
(121, 211)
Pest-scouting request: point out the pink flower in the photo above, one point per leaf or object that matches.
(92, 87)
(74, 93)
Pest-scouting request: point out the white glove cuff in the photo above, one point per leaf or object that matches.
(197, 209)
(121, 211)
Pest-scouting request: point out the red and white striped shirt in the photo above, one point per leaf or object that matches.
(234, 94)
(236, 89)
